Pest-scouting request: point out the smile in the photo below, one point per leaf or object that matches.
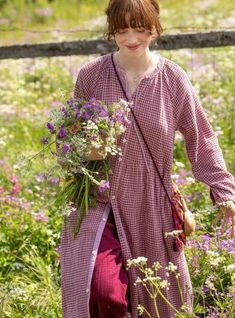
(133, 47)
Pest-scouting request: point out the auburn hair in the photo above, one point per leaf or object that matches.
(142, 13)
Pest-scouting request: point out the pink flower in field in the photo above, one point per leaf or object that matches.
(40, 216)
(104, 185)
(14, 179)
(15, 189)
(55, 103)
(1, 190)
(44, 12)
(25, 205)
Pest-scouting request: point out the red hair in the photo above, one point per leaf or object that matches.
(142, 13)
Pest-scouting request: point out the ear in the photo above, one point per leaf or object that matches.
(154, 37)
(153, 34)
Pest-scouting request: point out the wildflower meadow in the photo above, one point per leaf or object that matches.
(31, 219)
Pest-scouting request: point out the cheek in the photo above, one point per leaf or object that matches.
(118, 38)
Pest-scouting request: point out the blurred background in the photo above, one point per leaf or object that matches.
(39, 21)
(30, 221)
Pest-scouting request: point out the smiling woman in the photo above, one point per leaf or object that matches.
(142, 14)
(132, 220)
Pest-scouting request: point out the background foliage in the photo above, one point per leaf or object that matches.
(30, 222)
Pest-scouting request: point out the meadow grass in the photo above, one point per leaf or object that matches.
(30, 221)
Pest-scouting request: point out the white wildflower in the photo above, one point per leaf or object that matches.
(230, 268)
(214, 258)
(190, 180)
(178, 136)
(164, 284)
(156, 266)
(185, 308)
(212, 254)
(171, 267)
(138, 280)
(209, 282)
(149, 272)
(174, 233)
(179, 164)
(140, 309)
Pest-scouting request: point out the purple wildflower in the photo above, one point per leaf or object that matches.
(44, 140)
(51, 128)
(70, 102)
(94, 137)
(119, 115)
(54, 180)
(58, 248)
(126, 121)
(40, 216)
(78, 114)
(104, 185)
(231, 294)
(103, 113)
(205, 290)
(66, 148)
(40, 177)
(86, 115)
(62, 133)
(64, 111)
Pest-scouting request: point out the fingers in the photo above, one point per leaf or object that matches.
(233, 226)
(227, 217)
(218, 217)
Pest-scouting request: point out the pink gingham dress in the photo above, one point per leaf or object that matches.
(164, 102)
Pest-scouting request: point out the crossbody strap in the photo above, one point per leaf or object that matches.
(137, 123)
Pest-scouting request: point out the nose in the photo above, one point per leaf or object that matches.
(132, 37)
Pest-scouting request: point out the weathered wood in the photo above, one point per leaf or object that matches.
(99, 46)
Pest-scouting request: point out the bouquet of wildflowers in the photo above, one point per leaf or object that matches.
(85, 134)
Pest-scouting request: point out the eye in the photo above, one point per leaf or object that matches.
(140, 29)
(122, 31)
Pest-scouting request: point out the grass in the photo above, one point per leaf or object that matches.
(29, 259)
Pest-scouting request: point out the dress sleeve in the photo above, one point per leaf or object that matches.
(81, 87)
(201, 142)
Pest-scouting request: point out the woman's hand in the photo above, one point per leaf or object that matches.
(97, 153)
(225, 214)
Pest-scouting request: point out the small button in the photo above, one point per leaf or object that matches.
(87, 290)
(124, 140)
(113, 197)
(94, 252)
(104, 219)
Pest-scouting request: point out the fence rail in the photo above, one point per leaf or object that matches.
(167, 42)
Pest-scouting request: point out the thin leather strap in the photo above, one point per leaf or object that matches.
(137, 123)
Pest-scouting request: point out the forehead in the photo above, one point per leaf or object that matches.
(131, 18)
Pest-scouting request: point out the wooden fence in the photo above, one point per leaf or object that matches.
(99, 46)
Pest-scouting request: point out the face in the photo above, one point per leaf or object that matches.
(133, 41)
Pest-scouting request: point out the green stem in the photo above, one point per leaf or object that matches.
(147, 313)
(155, 305)
(86, 194)
(44, 148)
(167, 301)
(80, 190)
(180, 289)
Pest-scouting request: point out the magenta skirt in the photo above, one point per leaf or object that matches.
(109, 286)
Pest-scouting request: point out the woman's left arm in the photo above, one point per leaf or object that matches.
(203, 149)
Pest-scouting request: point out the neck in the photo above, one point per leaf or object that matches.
(137, 64)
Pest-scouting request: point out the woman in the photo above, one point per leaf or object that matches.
(131, 222)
